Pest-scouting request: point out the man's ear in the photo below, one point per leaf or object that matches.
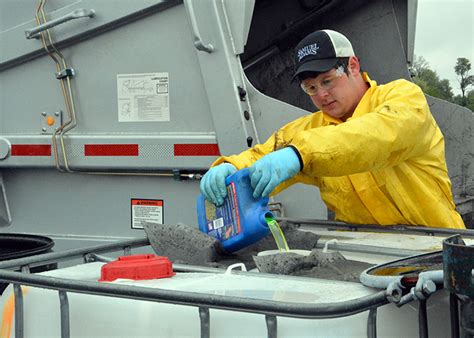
(353, 65)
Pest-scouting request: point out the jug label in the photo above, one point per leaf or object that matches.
(224, 222)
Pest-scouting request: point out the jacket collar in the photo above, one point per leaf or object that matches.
(372, 85)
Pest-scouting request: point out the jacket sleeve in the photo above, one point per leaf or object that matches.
(246, 158)
(278, 140)
(401, 127)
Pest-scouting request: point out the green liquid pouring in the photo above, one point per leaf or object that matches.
(277, 234)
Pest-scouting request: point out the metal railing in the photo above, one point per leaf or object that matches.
(270, 309)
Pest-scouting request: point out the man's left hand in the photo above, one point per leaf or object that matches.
(272, 169)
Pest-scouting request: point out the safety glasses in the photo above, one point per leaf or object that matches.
(311, 87)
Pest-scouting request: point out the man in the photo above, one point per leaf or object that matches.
(374, 151)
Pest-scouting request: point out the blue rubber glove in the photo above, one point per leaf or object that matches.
(213, 183)
(272, 169)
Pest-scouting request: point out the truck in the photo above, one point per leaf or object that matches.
(113, 110)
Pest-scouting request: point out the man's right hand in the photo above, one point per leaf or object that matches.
(213, 183)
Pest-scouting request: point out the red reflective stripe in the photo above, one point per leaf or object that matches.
(31, 150)
(111, 149)
(201, 149)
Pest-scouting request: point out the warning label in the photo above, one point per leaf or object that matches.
(146, 210)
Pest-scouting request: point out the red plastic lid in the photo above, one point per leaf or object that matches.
(137, 267)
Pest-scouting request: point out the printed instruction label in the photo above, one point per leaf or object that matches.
(223, 222)
(143, 97)
(146, 210)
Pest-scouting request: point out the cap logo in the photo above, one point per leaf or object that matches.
(307, 50)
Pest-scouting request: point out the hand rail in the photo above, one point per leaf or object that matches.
(33, 33)
(198, 43)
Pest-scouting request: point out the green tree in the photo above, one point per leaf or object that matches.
(470, 100)
(467, 101)
(462, 69)
(429, 80)
(419, 64)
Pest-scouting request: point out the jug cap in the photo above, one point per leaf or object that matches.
(137, 267)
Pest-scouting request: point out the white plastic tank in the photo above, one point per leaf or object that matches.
(99, 316)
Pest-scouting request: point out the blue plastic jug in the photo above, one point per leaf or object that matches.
(240, 221)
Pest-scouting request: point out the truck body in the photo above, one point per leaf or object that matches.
(111, 112)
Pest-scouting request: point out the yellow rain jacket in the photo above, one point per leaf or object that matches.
(384, 165)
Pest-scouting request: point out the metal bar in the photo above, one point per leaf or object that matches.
(262, 56)
(64, 306)
(76, 14)
(266, 307)
(422, 319)
(205, 322)
(196, 268)
(198, 43)
(377, 250)
(133, 17)
(272, 327)
(92, 257)
(55, 257)
(19, 323)
(454, 315)
(372, 323)
(398, 228)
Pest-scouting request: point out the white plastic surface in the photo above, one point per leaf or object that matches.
(97, 316)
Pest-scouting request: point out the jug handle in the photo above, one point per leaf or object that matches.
(236, 265)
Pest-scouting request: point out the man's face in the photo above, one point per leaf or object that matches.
(333, 92)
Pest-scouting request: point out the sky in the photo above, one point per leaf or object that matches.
(444, 32)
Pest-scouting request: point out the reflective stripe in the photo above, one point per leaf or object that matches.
(31, 150)
(204, 149)
(197, 149)
(111, 150)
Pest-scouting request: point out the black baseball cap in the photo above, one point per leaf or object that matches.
(319, 51)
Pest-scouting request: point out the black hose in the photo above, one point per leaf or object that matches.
(422, 319)
(372, 323)
(454, 315)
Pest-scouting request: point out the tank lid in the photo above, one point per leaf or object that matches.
(137, 267)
